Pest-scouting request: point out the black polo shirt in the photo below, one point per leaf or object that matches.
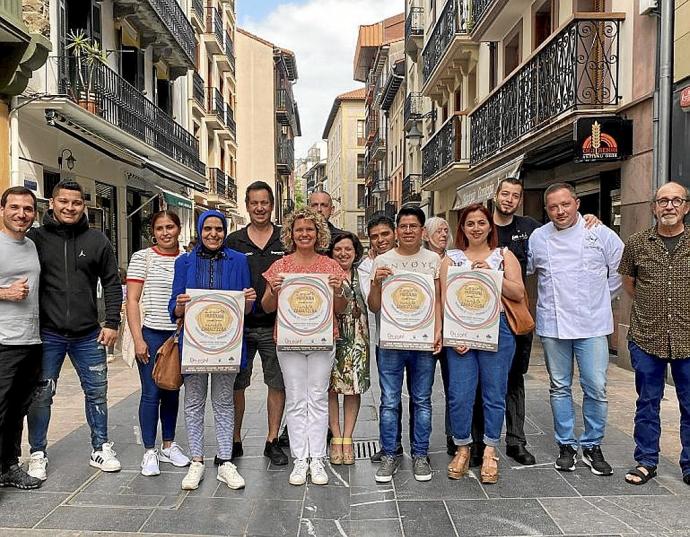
(259, 261)
(516, 237)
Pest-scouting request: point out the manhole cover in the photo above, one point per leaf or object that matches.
(365, 448)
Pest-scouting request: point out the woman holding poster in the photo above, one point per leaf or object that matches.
(306, 373)
(477, 241)
(210, 265)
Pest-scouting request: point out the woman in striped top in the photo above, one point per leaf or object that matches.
(149, 281)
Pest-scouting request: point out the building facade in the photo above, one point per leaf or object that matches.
(680, 136)
(268, 117)
(344, 168)
(315, 176)
(379, 63)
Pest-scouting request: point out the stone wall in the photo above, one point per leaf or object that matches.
(35, 15)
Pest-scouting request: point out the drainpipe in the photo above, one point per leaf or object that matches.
(665, 93)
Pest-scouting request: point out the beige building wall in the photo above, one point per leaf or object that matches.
(255, 115)
(682, 40)
(341, 168)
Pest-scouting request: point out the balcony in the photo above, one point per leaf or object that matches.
(285, 156)
(414, 31)
(165, 27)
(576, 69)
(447, 151)
(197, 15)
(394, 80)
(215, 109)
(116, 101)
(230, 121)
(389, 209)
(213, 31)
(412, 189)
(230, 52)
(449, 52)
(218, 181)
(198, 91)
(285, 108)
(413, 109)
(232, 189)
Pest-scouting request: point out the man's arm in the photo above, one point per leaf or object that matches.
(112, 288)
(614, 252)
(629, 285)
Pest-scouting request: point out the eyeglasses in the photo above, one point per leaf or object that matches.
(409, 227)
(676, 202)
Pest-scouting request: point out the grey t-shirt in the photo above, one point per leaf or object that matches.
(19, 321)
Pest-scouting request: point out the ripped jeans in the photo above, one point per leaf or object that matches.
(89, 360)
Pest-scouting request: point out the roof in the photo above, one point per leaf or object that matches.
(373, 36)
(354, 95)
(286, 54)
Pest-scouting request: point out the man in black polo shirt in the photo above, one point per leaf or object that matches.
(321, 202)
(260, 242)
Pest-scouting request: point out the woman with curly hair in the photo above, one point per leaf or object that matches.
(350, 375)
(306, 374)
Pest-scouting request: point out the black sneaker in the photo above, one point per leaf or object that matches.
(476, 454)
(16, 477)
(283, 438)
(520, 454)
(566, 459)
(594, 458)
(273, 452)
(376, 457)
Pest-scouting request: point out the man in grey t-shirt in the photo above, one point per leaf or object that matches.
(20, 342)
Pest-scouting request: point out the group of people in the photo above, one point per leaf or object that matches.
(49, 274)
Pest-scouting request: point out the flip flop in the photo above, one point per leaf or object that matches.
(637, 472)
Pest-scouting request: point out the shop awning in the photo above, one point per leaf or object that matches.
(176, 200)
(484, 187)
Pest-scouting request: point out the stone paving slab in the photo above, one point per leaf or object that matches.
(80, 501)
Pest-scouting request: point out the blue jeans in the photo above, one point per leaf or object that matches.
(421, 366)
(89, 360)
(592, 355)
(488, 369)
(650, 380)
(155, 402)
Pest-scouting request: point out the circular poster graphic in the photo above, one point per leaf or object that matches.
(212, 324)
(304, 306)
(472, 300)
(406, 302)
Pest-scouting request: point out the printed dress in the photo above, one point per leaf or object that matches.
(350, 375)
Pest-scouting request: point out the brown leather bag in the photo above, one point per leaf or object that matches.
(517, 312)
(167, 370)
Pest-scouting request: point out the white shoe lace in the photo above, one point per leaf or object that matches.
(108, 451)
(150, 457)
(301, 466)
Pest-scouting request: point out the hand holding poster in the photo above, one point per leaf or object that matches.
(305, 313)
(213, 330)
(473, 306)
(408, 301)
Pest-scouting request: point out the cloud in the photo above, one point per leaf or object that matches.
(323, 35)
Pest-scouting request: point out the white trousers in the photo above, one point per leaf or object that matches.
(307, 377)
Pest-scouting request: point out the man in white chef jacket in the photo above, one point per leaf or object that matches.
(577, 270)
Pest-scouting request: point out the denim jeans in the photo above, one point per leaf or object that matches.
(421, 366)
(650, 380)
(89, 360)
(155, 402)
(488, 369)
(592, 355)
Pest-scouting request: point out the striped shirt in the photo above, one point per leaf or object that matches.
(157, 280)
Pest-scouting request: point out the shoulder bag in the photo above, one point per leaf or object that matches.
(167, 369)
(517, 313)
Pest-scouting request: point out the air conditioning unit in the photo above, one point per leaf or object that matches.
(648, 7)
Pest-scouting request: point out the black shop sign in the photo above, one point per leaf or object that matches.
(602, 138)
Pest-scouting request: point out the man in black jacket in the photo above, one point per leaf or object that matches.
(73, 258)
(321, 202)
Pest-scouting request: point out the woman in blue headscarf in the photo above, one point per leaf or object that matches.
(210, 265)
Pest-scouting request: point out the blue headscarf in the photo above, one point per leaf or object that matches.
(209, 265)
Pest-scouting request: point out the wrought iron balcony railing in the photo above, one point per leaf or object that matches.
(449, 145)
(232, 189)
(214, 23)
(198, 92)
(413, 106)
(377, 209)
(198, 9)
(414, 24)
(230, 51)
(103, 92)
(218, 181)
(575, 69)
(215, 103)
(174, 18)
(285, 108)
(454, 19)
(479, 9)
(412, 188)
(230, 120)
(285, 153)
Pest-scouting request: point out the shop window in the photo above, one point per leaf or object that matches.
(106, 205)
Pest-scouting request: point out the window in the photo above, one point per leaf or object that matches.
(361, 168)
(361, 191)
(545, 21)
(512, 49)
(458, 101)
(493, 65)
(361, 226)
(360, 132)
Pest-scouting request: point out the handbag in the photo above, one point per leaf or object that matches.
(127, 341)
(518, 315)
(167, 370)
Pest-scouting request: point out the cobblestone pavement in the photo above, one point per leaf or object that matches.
(80, 501)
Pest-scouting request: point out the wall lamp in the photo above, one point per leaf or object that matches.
(69, 160)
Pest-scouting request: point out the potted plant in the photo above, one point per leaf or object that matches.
(88, 57)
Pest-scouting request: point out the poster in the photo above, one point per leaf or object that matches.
(305, 313)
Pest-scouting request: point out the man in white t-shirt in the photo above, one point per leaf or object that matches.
(409, 256)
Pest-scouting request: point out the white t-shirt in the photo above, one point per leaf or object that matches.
(423, 262)
(157, 282)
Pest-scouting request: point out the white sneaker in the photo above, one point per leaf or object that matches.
(228, 474)
(194, 476)
(149, 464)
(38, 462)
(318, 472)
(104, 459)
(299, 472)
(173, 455)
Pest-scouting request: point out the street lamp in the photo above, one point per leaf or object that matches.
(70, 161)
(414, 136)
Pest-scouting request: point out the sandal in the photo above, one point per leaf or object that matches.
(349, 454)
(460, 464)
(637, 472)
(489, 471)
(335, 454)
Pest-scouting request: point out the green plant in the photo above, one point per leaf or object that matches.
(88, 56)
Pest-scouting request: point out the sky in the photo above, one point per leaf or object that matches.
(322, 34)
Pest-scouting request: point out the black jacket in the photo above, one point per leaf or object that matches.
(73, 258)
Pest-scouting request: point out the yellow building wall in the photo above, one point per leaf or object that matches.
(682, 41)
(4, 147)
